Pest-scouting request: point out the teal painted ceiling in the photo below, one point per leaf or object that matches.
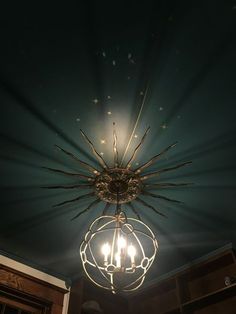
(89, 64)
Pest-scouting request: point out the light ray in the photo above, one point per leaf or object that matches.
(88, 208)
(153, 159)
(149, 206)
(75, 199)
(97, 155)
(83, 163)
(157, 173)
(129, 163)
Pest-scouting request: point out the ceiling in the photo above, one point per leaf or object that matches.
(57, 61)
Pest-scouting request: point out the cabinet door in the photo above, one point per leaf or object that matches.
(13, 302)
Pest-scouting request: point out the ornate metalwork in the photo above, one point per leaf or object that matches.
(123, 182)
(118, 268)
(130, 248)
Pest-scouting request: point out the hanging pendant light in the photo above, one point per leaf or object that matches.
(117, 252)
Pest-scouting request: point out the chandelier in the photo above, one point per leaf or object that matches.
(117, 251)
(113, 254)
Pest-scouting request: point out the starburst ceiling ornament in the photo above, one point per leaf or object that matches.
(117, 251)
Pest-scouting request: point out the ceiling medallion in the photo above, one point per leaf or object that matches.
(117, 251)
(122, 179)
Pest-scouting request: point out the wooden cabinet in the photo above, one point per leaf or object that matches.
(163, 298)
(21, 293)
(200, 289)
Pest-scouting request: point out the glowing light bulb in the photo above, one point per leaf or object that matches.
(118, 260)
(106, 250)
(132, 253)
(121, 243)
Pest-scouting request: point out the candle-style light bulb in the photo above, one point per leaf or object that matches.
(118, 260)
(121, 243)
(132, 253)
(106, 250)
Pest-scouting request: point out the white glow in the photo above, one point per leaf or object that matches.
(131, 251)
(106, 250)
(118, 262)
(121, 243)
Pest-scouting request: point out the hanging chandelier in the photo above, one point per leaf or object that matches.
(117, 251)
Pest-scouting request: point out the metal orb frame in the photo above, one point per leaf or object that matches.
(105, 272)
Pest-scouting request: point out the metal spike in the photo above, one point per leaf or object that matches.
(70, 174)
(161, 197)
(134, 210)
(156, 173)
(104, 212)
(165, 185)
(89, 186)
(75, 199)
(153, 159)
(88, 208)
(83, 163)
(129, 163)
(149, 206)
(136, 123)
(107, 206)
(98, 156)
(115, 151)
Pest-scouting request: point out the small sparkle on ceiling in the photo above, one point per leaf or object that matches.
(141, 93)
(108, 97)
(104, 54)
(95, 100)
(101, 153)
(129, 55)
(164, 126)
(135, 135)
(102, 141)
(137, 163)
(78, 119)
(109, 112)
(161, 108)
(113, 62)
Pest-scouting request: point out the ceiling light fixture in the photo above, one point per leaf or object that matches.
(117, 251)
